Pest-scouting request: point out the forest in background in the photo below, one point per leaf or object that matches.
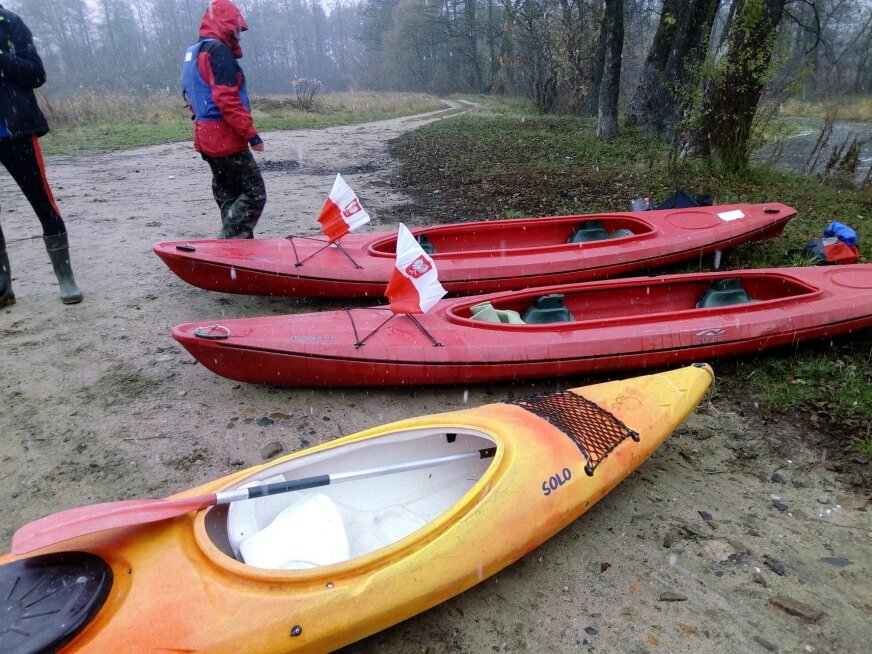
(704, 75)
(548, 50)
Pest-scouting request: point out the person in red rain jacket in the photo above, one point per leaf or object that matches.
(215, 90)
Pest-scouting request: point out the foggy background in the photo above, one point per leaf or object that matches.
(510, 47)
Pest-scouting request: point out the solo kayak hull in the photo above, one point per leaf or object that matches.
(176, 588)
(475, 257)
(620, 324)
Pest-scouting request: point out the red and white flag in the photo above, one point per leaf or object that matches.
(414, 285)
(342, 212)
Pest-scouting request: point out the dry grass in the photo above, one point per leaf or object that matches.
(112, 107)
(117, 121)
(352, 104)
(116, 107)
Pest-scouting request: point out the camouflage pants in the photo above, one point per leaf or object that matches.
(239, 191)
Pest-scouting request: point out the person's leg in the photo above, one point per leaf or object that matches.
(6, 294)
(223, 189)
(22, 157)
(240, 193)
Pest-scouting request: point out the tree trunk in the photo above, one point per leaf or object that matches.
(471, 27)
(731, 96)
(607, 116)
(680, 44)
(599, 62)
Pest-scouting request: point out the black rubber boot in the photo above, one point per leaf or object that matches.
(6, 294)
(58, 249)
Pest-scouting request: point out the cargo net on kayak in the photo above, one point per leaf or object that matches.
(594, 430)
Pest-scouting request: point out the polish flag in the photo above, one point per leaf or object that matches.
(342, 212)
(414, 285)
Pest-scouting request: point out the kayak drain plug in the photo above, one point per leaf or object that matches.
(296, 630)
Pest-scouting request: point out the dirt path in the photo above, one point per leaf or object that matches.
(100, 403)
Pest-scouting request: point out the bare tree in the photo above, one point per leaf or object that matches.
(607, 116)
(552, 51)
(598, 66)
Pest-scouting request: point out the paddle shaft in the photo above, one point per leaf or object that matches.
(225, 497)
(93, 518)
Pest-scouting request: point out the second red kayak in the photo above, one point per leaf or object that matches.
(544, 332)
(475, 257)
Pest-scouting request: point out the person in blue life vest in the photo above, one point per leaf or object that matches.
(215, 91)
(21, 125)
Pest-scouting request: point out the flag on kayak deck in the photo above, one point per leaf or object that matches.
(414, 286)
(342, 211)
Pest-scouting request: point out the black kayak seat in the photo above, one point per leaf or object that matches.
(723, 293)
(547, 309)
(593, 230)
(49, 599)
(589, 230)
(425, 244)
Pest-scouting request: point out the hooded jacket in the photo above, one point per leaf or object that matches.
(21, 71)
(214, 84)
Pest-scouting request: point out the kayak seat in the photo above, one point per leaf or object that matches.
(306, 534)
(590, 230)
(425, 244)
(723, 293)
(619, 233)
(486, 312)
(547, 309)
(371, 530)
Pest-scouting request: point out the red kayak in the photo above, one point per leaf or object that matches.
(475, 257)
(560, 330)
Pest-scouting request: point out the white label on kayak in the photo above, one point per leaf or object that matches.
(735, 214)
(188, 56)
(713, 335)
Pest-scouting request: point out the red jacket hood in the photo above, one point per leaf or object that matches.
(223, 21)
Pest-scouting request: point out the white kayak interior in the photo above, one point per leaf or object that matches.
(346, 519)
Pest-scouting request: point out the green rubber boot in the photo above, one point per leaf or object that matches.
(6, 294)
(58, 249)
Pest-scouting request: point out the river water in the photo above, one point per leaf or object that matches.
(797, 149)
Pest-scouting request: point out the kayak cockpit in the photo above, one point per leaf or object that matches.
(637, 298)
(349, 518)
(521, 235)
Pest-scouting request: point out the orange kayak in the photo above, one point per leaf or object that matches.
(313, 570)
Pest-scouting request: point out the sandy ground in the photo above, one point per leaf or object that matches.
(704, 549)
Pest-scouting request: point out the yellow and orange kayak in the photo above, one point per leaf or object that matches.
(411, 514)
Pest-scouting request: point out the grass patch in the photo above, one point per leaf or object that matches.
(832, 387)
(117, 121)
(500, 163)
(852, 108)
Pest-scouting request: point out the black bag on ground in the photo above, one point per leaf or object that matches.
(681, 199)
